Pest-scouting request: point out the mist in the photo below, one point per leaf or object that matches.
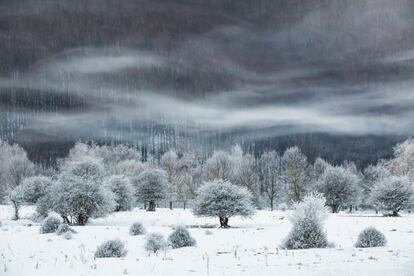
(260, 70)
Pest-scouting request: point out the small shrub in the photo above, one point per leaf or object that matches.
(307, 221)
(155, 242)
(181, 238)
(63, 229)
(111, 249)
(136, 229)
(306, 234)
(44, 205)
(50, 224)
(370, 237)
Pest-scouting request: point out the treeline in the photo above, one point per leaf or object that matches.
(116, 178)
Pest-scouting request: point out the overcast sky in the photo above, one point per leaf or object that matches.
(342, 67)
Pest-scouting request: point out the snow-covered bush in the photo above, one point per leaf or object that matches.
(393, 194)
(64, 228)
(151, 186)
(180, 237)
(44, 205)
(79, 194)
(370, 237)
(307, 221)
(34, 188)
(155, 242)
(223, 199)
(271, 177)
(136, 229)
(111, 249)
(50, 224)
(123, 192)
(339, 186)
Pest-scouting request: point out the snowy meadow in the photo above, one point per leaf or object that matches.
(250, 247)
(105, 210)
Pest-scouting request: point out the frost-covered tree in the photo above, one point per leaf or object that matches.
(393, 194)
(16, 198)
(28, 192)
(270, 165)
(224, 200)
(185, 188)
(122, 190)
(79, 194)
(188, 178)
(14, 167)
(339, 186)
(151, 186)
(402, 164)
(295, 173)
(110, 156)
(129, 168)
(169, 162)
(245, 173)
(219, 166)
(372, 174)
(319, 167)
(307, 221)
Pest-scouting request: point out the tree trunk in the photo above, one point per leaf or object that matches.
(271, 204)
(151, 206)
(184, 205)
(65, 219)
(145, 205)
(171, 205)
(350, 208)
(82, 220)
(224, 222)
(16, 211)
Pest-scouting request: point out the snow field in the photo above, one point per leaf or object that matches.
(250, 247)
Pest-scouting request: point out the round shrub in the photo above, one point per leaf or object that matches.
(63, 229)
(370, 237)
(136, 229)
(155, 242)
(306, 234)
(50, 224)
(181, 238)
(307, 221)
(111, 249)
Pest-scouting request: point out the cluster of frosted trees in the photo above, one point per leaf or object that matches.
(94, 180)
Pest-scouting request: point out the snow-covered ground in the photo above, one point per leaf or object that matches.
(249, 248)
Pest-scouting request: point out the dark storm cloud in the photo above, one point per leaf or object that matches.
(267, 67)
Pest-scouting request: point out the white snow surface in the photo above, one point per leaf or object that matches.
(248, 248)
